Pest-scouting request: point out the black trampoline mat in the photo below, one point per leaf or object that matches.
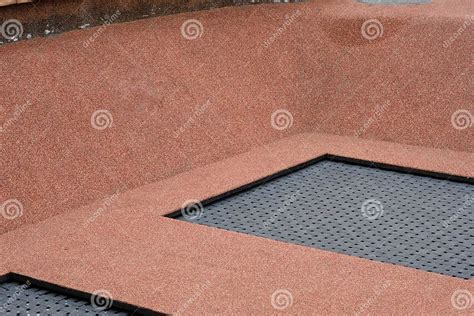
(22, 295)
(395, 217)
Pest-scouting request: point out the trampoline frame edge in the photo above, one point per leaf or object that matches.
(126, 307)
(337, 158)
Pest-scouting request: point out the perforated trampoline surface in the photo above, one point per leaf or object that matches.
(389, 216)
(24, 299)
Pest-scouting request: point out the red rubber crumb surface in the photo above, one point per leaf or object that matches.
(397, 93)
(177, 104)
(140, 257)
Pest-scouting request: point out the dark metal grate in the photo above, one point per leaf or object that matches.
(24, 299)
(389, 216)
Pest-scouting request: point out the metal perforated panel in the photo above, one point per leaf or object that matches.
(24, 299)
(410, 220)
